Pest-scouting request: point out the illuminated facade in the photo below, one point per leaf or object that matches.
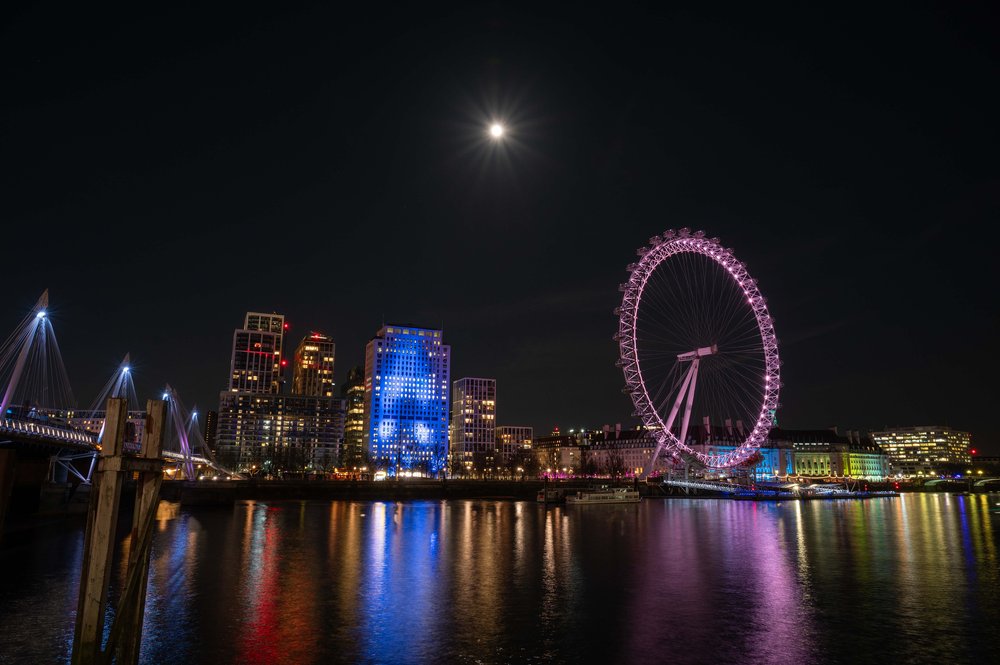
(257, 429)
(353, 393)
(616, 452)
(474, 427)
(924, 451)
(813, 454)
(279, 433)
(787, 455)
(514, 443)
(275, 325)
(312, 371)
(406, 400)
(254, 364)
(561, 453)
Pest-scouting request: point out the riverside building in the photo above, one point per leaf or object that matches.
(924, 450)
(561, 454)
(312, 367)
(514, 444)
(353, 394)
(787, 455)
(474, 428)
(270, 329)
(279, 433)
(260, 430)
(406, 400)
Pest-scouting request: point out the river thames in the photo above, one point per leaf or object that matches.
(908, 579)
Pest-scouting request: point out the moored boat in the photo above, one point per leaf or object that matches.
(551, 495)
(605, 495)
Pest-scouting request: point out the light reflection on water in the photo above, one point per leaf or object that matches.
(913, 579)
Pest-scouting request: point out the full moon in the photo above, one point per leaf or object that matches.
(496, 131)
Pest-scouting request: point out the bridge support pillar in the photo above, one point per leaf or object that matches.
(60, 474)
(7, 459)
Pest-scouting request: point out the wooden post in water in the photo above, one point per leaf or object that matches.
(102, 519)
(146, 498)
(99, 541)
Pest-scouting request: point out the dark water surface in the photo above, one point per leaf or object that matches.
(912, 579)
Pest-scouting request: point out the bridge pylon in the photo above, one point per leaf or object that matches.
(21, 340)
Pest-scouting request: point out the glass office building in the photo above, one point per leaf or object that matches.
(406, 400)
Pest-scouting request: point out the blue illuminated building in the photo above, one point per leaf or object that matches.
(406, 400)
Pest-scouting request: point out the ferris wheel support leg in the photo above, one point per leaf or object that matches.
(693, 373)
(670, 421)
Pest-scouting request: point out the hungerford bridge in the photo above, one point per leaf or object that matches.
(39, 423)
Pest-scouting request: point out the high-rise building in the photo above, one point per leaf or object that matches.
(353, 394)
(312, 371)
(254, 365)
(514, 443)
(474, 427)
(260, 429)
(211, 428)
(924, 451)
(406, 400)
(270, 323)
(279, 433)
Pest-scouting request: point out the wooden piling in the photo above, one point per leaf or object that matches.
(146, 499)
(99, 541)
(112, 469)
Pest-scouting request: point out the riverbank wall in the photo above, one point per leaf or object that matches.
(221, 492)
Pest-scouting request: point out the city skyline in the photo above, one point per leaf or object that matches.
(845, 206)
(284, 386)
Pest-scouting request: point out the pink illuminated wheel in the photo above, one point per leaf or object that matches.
(698, 351)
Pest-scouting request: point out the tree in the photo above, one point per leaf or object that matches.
(588, 467)
(616, 463)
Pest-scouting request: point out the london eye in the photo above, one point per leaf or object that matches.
(698, 350)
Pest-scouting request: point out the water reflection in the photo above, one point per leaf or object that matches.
(913, 579)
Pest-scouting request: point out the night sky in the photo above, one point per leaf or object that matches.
(166, 171)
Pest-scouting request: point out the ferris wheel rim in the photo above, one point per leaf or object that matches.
(660, 249)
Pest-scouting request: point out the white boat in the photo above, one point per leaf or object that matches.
(604, 495)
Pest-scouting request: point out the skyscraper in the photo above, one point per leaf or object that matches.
(312, 371)
(275, 324)
(474, 427)
(406, 400)
(353, 393)
(259, 428)
(255, 362)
